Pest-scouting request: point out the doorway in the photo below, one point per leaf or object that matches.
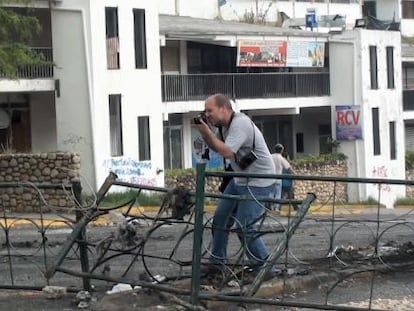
(173, 153)
(16, 137)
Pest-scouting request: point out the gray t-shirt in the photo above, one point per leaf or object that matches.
(239, 138)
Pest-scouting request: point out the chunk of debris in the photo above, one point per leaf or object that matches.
(120, 287)
(54, 292)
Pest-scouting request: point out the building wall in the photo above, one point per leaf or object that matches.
(387, 10)
(362, 161)
(82, 110)
(43, 122)
(73, 116)
(343, 93)
(140, 88)
(307, 122)
(407, 27)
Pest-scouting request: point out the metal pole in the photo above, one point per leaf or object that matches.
(81, 224)
(83, 248)
(198, 233)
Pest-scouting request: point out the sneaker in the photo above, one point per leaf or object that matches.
(211, 270)
(267, 277)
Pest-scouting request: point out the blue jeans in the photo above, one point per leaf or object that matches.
(277, 193)
(246, 212)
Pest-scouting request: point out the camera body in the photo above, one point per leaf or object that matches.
(247, 159)
(199, 117)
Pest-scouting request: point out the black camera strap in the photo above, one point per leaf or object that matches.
(220, 128)
(254, 136)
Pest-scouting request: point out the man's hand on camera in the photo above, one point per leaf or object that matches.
(204, 129)
(213, 141)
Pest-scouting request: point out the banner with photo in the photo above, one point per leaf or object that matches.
(305, 54)
(261, 53)
(348, 122)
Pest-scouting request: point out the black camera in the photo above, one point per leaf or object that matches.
(247, 159)
(199, 117)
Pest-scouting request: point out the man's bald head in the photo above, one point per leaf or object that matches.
(218, 109)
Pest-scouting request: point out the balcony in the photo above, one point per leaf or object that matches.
(40, 71)
(244, 85)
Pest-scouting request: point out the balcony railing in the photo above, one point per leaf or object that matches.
(39, 71)
(244, 85)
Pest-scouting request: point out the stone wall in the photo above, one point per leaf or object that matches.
(323, 190)
(20, 172)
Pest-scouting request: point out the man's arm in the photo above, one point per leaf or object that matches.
(286, 165)
(214, 142)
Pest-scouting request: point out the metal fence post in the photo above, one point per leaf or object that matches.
(83, 248)
(198, 233)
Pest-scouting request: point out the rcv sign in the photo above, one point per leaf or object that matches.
(348, 122)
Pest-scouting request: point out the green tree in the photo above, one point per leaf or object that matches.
(16, 31)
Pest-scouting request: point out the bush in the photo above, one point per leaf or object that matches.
(177, 172)
(118, 198)
(320, 159)
(404, 201)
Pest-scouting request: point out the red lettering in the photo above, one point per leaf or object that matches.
(348, 117)
(340, 117)
(347, 114)
(355, 115)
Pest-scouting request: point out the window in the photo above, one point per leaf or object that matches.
(407, 7)
(390, 67)
(408, 77)
(140, 39)
(115, 125)
(112, 38)
(173, 153)
(373, 67)
(376, 131)
(393, 151)
(144, 139)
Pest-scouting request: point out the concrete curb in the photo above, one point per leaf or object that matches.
(54, 221)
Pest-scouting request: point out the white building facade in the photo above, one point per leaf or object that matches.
(365, 71)
(128, 82)
(103, 97)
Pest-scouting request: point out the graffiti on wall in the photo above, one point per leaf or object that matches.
(381, 171)
(132, 171)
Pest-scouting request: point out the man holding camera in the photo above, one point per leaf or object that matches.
(241, 143)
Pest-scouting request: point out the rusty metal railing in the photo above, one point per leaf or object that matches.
(166, 246)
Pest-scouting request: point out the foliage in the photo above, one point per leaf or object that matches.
(370, 201)
(320, 159)
(409, 159)
(332, 144)
(404, 201)
(117, 198)
(16, 31)
(309, 160)
(180, 172)
(258, 17)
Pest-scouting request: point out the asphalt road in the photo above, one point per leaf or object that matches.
(351, 233)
